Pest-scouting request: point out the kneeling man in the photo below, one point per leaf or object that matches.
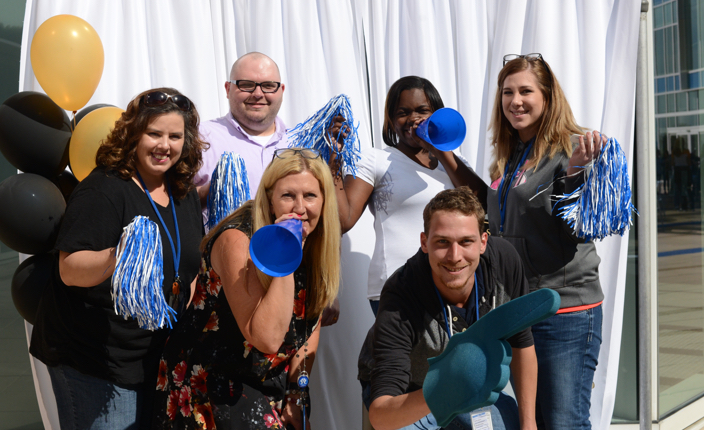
(458, 275)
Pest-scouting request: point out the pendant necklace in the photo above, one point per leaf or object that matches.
(174, 302)
(301, 385)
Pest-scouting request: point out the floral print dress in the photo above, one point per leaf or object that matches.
(210, 376)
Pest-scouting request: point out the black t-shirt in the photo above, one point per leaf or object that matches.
(78, 326)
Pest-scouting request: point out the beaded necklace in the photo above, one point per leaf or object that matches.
(300, 387)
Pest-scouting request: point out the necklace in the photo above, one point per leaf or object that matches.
(445, 312)
(503, 193)
(175, 250)
(301, 385)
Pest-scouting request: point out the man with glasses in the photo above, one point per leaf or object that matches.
(252, 128)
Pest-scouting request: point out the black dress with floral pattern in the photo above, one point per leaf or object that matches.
(210, 376)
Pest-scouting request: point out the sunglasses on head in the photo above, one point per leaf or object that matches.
(529, 57)
(159, 98)
(309, 153)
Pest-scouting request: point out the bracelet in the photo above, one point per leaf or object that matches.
(292, 386)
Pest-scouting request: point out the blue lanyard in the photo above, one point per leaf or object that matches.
(444, 311)
(175, 251)
(503, 196)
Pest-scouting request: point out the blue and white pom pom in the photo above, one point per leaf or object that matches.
(313, 133)
(229, 188)
(602, 206)
(139, 274)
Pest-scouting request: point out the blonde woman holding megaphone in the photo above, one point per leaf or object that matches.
(243, 351)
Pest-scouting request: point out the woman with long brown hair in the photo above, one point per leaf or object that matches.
(532, 126)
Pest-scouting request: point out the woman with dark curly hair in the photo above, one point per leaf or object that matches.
(103, 365)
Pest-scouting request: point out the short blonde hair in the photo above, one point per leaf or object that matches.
(557, 122)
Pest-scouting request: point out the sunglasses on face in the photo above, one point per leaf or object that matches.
(249, 86)
(309, 153)
(159, 98)
(529, 57)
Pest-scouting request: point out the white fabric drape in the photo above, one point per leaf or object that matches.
(360, 47)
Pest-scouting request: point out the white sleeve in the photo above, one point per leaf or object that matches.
(366, 166)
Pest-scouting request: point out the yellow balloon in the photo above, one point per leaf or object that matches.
(87, 137)
(67, 59)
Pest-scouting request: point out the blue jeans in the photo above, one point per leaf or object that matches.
(567, 346)
(504, 414)
(86, 402)
(375, 306)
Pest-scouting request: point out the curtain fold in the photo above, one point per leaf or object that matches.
(359, 48)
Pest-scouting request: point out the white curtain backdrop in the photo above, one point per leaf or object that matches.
(359, 48)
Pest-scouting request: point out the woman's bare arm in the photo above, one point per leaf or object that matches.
(263, 316)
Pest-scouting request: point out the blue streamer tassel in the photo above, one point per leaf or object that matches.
(313, 133)
(602, 206)
(229, 188)
(139, 274)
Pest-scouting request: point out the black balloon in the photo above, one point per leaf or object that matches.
(28, 283)
(88, 109)
(66, 183)
(34, 134)
(32, 208)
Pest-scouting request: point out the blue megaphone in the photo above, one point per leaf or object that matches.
(445, 129)
(276, 249)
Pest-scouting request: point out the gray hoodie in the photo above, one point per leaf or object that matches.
(552, 255)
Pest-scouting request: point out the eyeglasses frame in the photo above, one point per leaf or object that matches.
(297, 151)
(256, 84)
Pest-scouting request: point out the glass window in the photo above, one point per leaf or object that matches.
(670, 83)
(17, 377)
(668, 51)
(681, 102)
(694, 141)
(668, 13)
(658, 17)
(693, 101)
(694, 39)
(687, 120)
(676, 56)
(680, 237)
(659, 47)
(694, 80)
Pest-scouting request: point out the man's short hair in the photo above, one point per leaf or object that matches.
(461, 199)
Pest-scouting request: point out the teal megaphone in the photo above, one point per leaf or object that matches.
(474, 368)
(276, 249)
(445, 129)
